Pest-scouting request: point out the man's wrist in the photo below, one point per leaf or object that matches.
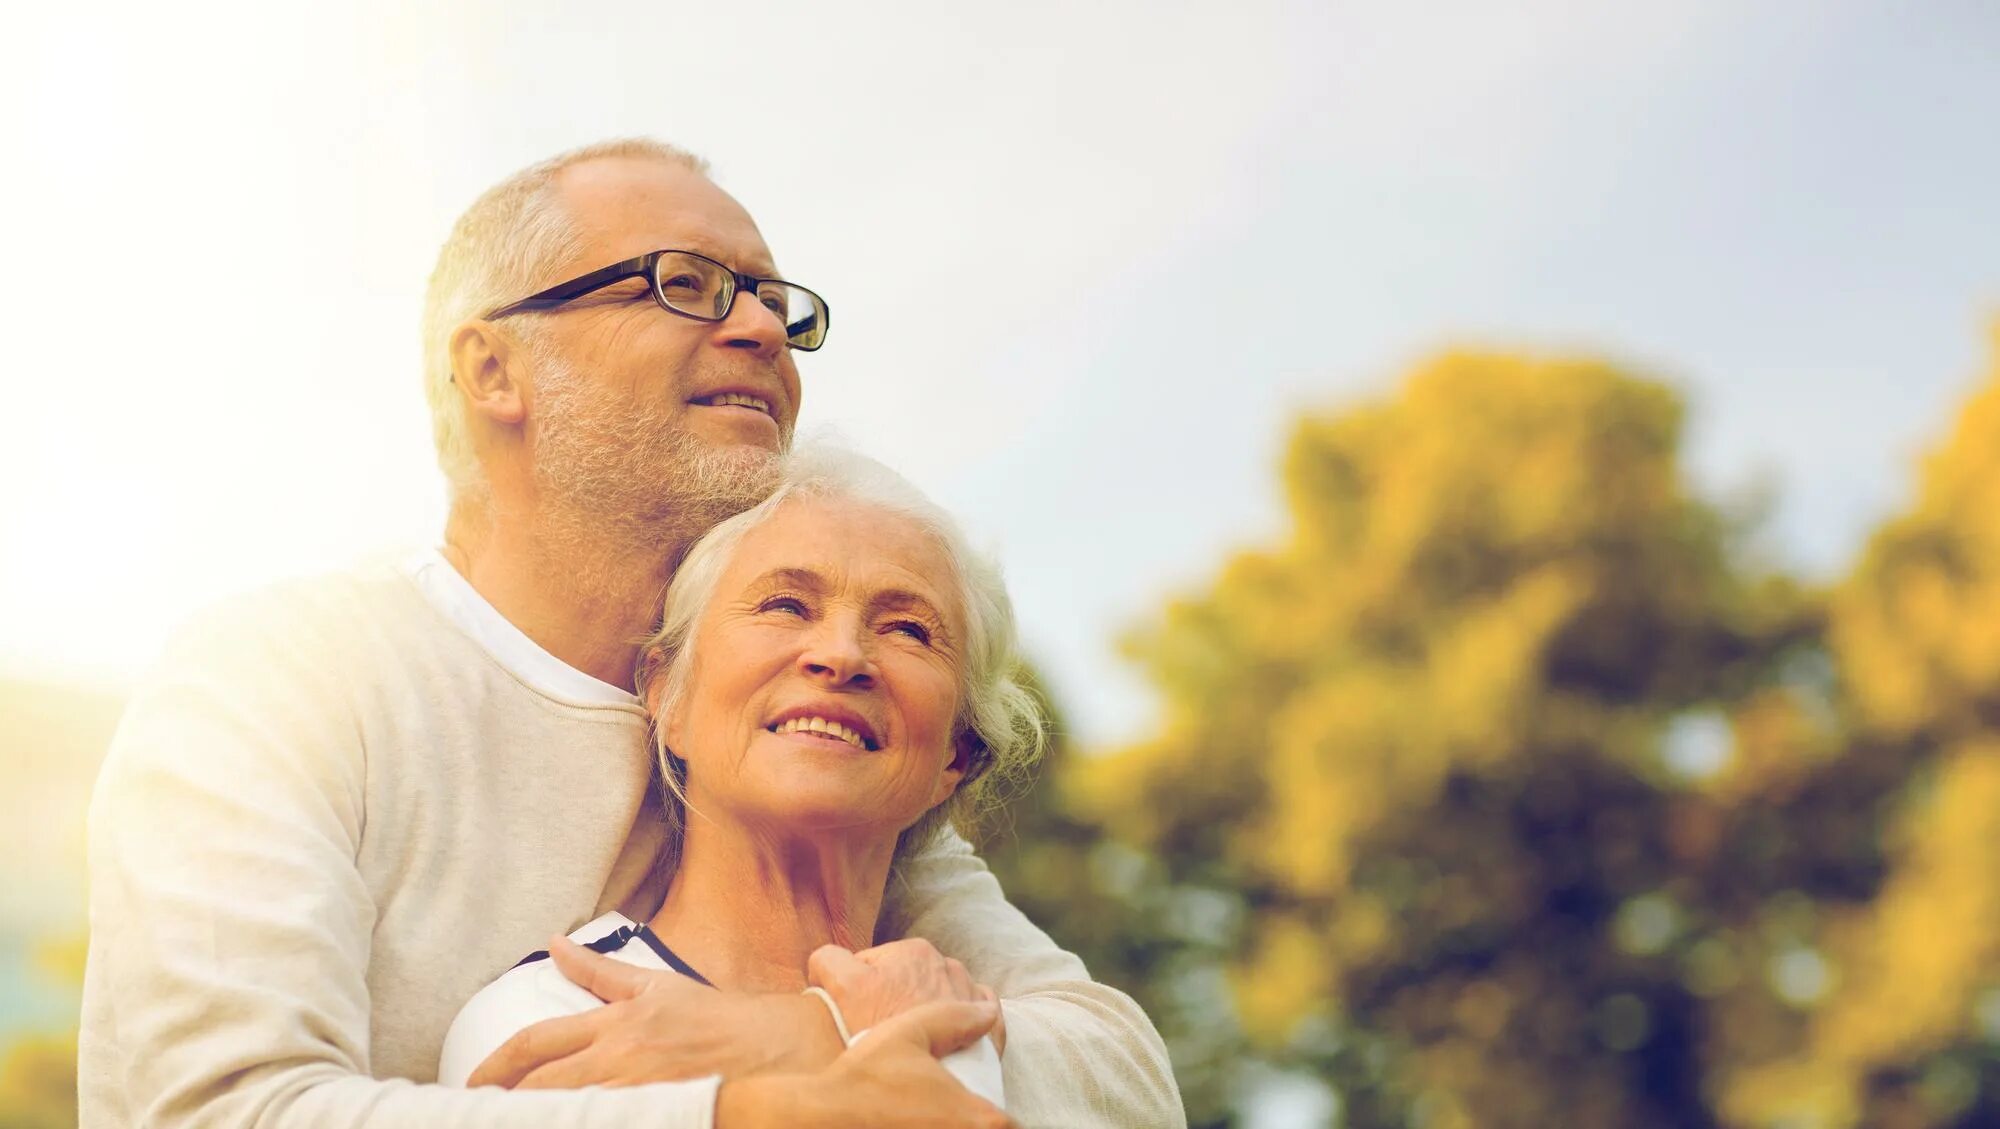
(763, 1102)
(818, 1041)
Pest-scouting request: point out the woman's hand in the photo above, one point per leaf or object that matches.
(874, 984)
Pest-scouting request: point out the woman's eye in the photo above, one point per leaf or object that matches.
(783, 604)
(913, 629)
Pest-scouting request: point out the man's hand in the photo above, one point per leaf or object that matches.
(658, 1027)
(889, 1080)
(874, 984)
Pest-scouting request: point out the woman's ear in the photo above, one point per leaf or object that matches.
(966, 751)
(648, 677)
(651, 678)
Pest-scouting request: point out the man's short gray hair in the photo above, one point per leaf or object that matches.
(997, 710)
(500, 250)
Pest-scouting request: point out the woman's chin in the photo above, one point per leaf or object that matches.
(797, 808)
(801, 785)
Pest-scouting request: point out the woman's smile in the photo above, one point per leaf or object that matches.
(827, 721)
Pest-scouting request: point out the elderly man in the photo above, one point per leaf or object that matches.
(341, 807)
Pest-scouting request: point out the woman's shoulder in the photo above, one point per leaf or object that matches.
(524, 995)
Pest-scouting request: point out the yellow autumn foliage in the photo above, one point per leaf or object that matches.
(1917, 627)
(1495, 575)
(1916, 631)
(38, 1083)
(1919, 964)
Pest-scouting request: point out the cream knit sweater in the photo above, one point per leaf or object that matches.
(338, 810)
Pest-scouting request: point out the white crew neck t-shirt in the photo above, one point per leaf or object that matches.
(457, 600)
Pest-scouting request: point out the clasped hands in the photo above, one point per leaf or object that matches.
(780, 1056)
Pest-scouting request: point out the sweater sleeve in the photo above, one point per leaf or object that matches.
(1078, 1053)
(231, 927)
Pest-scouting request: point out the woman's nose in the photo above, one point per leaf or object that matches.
(837, 656)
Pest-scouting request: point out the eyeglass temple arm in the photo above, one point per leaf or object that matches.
(577, 287)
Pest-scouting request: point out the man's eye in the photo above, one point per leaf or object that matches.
(686, 283)
(913, 629)
(774, 303)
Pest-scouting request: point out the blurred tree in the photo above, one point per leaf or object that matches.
(38, 1083)
(1454, 781)
(1909, 1037)
(38, 1072)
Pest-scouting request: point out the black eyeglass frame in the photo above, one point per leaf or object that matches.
(644, 267)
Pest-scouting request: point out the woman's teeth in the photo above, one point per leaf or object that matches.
(822, 725)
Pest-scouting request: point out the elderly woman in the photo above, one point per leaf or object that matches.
(832, 683)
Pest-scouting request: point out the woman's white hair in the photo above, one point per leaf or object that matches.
(1000, 720)
(501, 250)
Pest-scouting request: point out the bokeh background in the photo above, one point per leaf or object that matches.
(1504, 498)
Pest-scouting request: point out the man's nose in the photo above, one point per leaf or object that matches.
(837, 656)
(752, 326)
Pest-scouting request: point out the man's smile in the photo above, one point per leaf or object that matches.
(746, 412)
(734, 399)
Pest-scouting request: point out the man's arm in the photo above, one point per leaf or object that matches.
(231, 928)
(891, 1078)
(1078, 1053)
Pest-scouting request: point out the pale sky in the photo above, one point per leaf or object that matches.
(1085, 260)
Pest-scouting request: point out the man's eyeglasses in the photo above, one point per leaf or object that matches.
(698, 287)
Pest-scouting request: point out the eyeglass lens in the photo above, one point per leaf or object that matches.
(702, 289)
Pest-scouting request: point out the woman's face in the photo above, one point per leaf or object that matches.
(825, 676)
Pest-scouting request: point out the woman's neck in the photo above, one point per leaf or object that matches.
(746, 910)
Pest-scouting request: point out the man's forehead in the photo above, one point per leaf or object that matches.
(627, 206)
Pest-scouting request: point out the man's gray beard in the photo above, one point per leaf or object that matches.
(636, 477)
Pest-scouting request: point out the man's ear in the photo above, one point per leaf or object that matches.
(483, 369)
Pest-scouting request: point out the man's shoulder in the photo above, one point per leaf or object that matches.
(258, 695)
(301, 649)
(329, 600)
(306, 621)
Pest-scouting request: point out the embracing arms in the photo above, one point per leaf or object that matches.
(1077, 1053)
